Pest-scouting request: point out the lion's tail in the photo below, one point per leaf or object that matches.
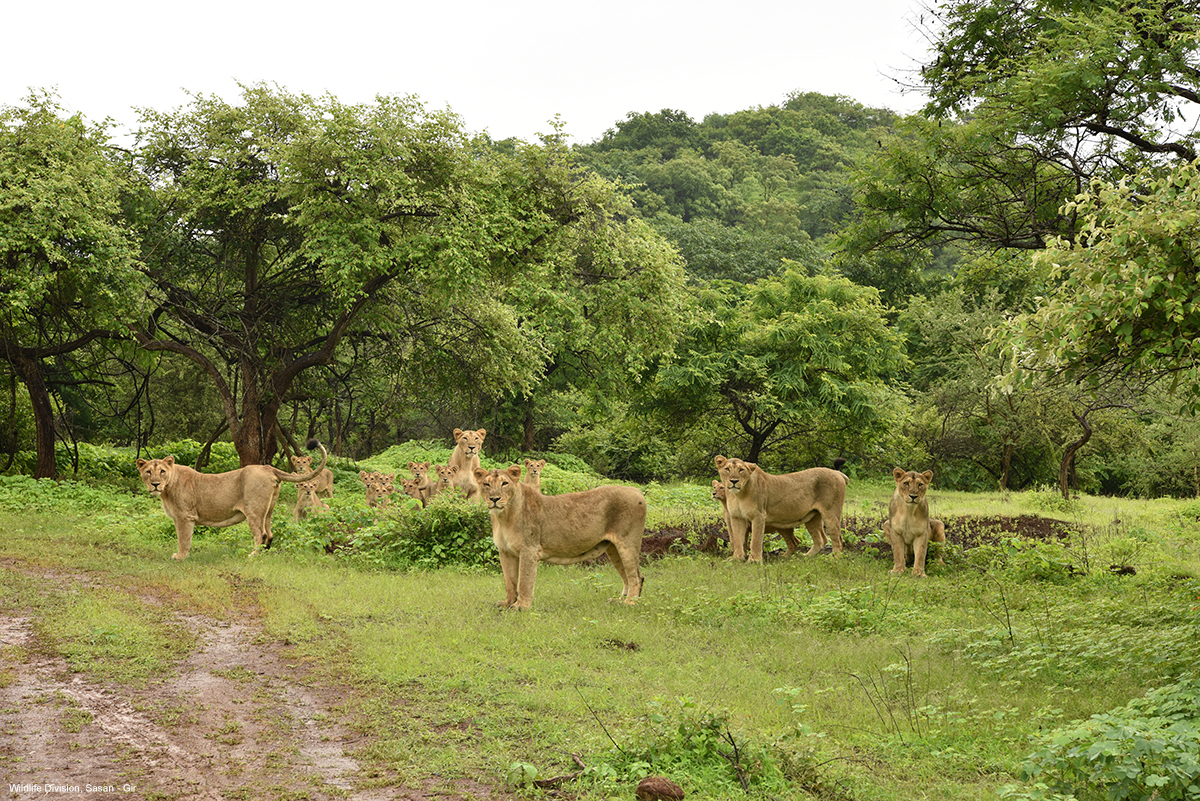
(296, 478)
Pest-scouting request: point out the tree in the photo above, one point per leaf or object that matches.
(1127, 297)
(289, 227)
(789, 357)
(1031, 101)
(66, 258)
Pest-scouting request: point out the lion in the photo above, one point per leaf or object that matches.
(379, 487)
(445, 480)
(909, 526)
(308, 499)
(412, 488)
(756, 499)
(420, 471)
(465, 456)
(533, 473)
(529, 527)
(302, 464)
(719, 495)
(191, 498)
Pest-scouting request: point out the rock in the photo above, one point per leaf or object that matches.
(658, 788)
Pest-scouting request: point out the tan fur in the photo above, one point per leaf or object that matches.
(529, 527)
(379, 487)
(191, 498)
(909, 526)
(468, 445)
(308, 499)
(756, 499)
(412, 488)
(303, 464)
(533, 473)
(420, 471)
(789, 535)
(445, 481)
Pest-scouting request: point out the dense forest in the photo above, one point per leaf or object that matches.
(1002, 288)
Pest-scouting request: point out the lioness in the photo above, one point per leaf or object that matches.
(909, 526)
(756, 499)
(719, 495)
(529, 527)
(468, 445)
(303, 464)
(533, 472)
(191, 498)
(308, 499)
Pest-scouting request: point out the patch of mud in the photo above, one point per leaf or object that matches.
(236, 721)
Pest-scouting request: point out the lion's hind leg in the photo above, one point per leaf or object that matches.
(625, 560)
(937, 533)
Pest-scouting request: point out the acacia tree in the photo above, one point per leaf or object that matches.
(290, 225)
(66, 260)
(792, 356)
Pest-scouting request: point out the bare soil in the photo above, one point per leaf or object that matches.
(238, 720)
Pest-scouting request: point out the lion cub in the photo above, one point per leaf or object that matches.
(307, 500)
(529, 527)
(420, 471)
(468, 445)
(533, 473)
(909, 526)
(445, 478)
(303, 464)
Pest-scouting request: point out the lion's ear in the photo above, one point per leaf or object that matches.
(454, 470)
(928, 476)
(752, 466)
(169, 461)
(482, 433)
(458, 432)
(716, 483)
(528, 462)
(480, 474)
(141, 463)
(720, 461)
(515, 471)
(897, 473)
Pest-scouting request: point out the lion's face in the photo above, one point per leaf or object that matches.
(470, 441)
(156, 473)
(533, 468)
(301, 464)
(306, 491)
(420, 470)
(735, 474)
(718, 491)
(911, 485)
(497, 487)
(445, 472)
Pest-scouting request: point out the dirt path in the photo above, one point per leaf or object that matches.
(236, 722)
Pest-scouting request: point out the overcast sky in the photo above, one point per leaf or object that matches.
(505, 67)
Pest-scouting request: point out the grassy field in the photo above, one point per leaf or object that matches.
(800, 678)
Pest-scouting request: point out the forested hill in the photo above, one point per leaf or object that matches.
(737, 192)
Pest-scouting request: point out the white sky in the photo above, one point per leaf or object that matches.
(505, 67)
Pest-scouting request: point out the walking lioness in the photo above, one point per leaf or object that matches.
(529, 527)
(909, 526)
(756, 500)
(191, 498)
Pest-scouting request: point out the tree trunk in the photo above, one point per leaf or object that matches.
(30, 370)
(1064, 485)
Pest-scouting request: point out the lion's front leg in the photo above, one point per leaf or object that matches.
(758, 531)
(183, 533)
(510, 566)
(899, 552)
(526, 576)
(738, 528)
(920, 545)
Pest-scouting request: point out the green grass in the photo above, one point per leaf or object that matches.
(833, 679)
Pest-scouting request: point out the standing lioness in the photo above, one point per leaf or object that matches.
(529, 527)
(756, 500)
(909, 526)
(191, 498)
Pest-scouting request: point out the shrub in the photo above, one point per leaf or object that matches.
(1149, 748)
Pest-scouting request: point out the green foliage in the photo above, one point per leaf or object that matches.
(1147, 749)
(22, 493)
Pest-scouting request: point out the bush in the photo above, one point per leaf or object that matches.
(1149, 748)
